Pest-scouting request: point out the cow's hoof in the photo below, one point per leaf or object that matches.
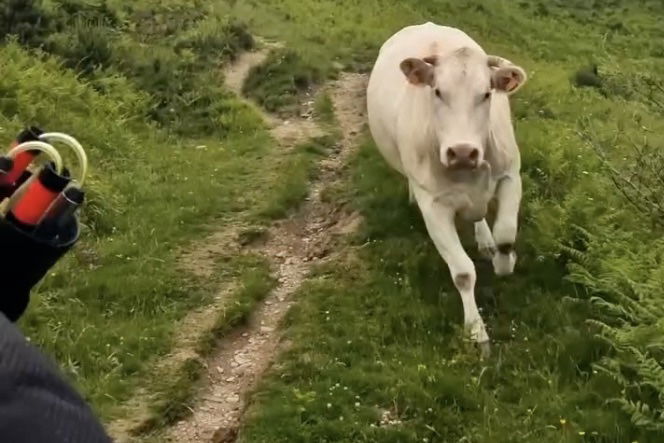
(477, 331)
(503, 264)
(485, 349)
(487, 250)
(486, 245)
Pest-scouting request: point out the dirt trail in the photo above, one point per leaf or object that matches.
(292, 246)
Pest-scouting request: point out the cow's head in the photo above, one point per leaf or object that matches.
(461, 86)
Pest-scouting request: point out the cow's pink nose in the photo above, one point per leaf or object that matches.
(463, 156)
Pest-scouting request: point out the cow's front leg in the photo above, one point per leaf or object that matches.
(485, 243)
(508, 195)
(439, 221)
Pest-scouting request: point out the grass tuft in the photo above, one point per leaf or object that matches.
(278, 83)
(294, 187)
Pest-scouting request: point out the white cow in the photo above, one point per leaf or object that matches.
(439, 113)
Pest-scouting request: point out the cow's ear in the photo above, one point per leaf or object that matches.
(508, 79)
(417, 71)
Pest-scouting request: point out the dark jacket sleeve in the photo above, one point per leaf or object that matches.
(36, 404)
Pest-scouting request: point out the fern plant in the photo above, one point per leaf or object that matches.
(623, 280)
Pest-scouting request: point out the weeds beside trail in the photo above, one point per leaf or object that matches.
(374, 350)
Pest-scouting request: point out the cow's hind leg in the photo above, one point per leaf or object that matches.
(439, 221)
(508, 195)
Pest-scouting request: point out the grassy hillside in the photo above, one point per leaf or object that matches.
(577, 329)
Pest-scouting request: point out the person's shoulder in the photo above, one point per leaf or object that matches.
(36, 403)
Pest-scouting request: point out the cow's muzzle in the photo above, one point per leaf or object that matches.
(463, 156)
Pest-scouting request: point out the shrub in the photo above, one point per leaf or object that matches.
(160, 20)
(98, 12)
(217, 40)
(639, 176)
(587, 77)
(25, 19)
(85, 47)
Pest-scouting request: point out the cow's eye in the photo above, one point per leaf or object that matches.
(486, 96)
(438, 94)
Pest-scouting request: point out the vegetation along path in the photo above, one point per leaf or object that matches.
(251, 270)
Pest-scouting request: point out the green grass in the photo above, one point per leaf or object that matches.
(324, 109)
(294, 187)
(255, 283)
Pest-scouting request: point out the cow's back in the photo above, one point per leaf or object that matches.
(390, 98)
